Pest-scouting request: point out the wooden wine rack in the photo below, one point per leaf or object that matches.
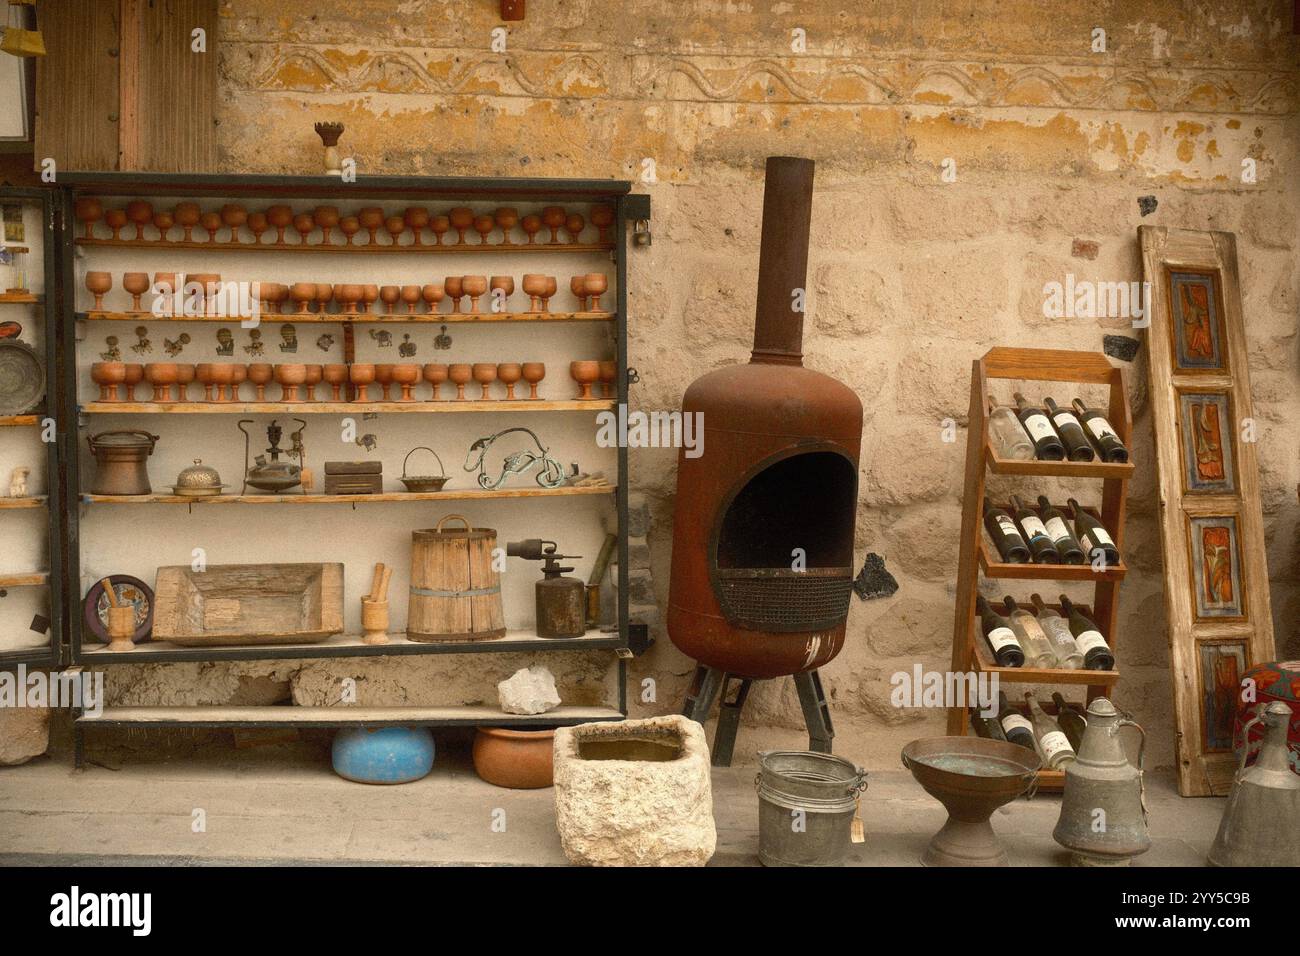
(968, 652)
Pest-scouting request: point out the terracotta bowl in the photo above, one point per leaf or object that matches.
(406, 375)
(162, 376)
(517, 759)
(108, 376)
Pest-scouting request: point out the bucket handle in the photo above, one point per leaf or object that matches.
(91, 439)
(445, 518)
(442, 469)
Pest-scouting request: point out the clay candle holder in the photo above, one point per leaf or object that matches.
(406, 376)
(108, 376)
(585, 374)
(461, 219)
(531, 226)
(279, 217)
(139, 213)
(410, 295)
(98, 283)
(534, 288)
(533, 372)
(335, 376)
(162, 376)
(602, 217)
(290, 377)
(314, 375)
(233, 216)
(137, 284)
(460, 375)
(485, 373)
(595, 285)
(187, 216)
(211, 223)
(89, 211)
(507, 217)
(115, 219)
(503, 287)
(361, 376)
(371, 218)
(508, 373)
(474, 287)
(435, 375)
(260, 374)
(433, 295)
(389, 294)
(416, 217)
(326, 217)
(134, 376)
(384, 379)
(454, 288)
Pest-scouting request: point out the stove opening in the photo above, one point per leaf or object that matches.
(784, 549)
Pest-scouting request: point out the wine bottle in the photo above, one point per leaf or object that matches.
(1052, 743)
(1058, 529)
(1035, 533)
(1002, 639)
(1006, 434)
(986, 726)
(1093, 536)
(1006, 537)
(1015, 725)
(1104, 437)
(1096, 652)
(1070, 720)
(1058, 632)
(1077, 446)
(1047, 445)
(1037, 648)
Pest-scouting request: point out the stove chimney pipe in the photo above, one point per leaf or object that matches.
(783, 261)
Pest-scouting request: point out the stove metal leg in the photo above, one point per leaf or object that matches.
(816, 712)
(724, 741)
(703, 691)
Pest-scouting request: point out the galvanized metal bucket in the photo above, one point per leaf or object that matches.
(806, 805)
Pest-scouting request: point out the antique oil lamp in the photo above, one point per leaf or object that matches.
(272, 474)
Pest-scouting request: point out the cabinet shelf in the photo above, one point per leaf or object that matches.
(1055, 469)
(32, 501)
(14, 421)
(346, 408)
(29, 579)
(992, 565)
(376, 318)
(363, 249)
(467, 494)
(984, 663)
(20, 298)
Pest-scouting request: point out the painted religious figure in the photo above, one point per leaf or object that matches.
(1197, 321)
(1206, 431)
(1216, 568)
(1222, 666)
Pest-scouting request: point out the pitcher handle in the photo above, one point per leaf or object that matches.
(1142, 746)
(1245, 736)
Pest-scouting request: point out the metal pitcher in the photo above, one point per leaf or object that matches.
(1261, 823)
(1103, 809)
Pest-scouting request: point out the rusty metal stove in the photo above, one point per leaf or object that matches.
(763, 530)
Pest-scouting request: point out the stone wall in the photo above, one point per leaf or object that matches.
(912, 276)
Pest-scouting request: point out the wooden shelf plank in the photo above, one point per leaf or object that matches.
(396, 318)
(32, 501)
(24, 580)
(346, 408)
(20, 298)
(363, 249)
(18, 420)
(1043, 572)
(467, 714)
(1056, 469)
(454, 494)
(983, 662)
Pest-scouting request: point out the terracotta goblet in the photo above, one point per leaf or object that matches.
(507, 217)
(439, 225)
(389, 294)
(115, 219)
(411, 296)
(303, 293)
(238, 376)
(279, 217)
(406, 376)
(602, 217)
(134, 376)
(485, 373)
(484, 225)
(508, 373)
(184, 375)
(349, 226)
(608, 373)
(534, 372)
(362, 376)
(534, 288)
(335, 376)
(435, 375)
(503, 287)
(139, 212)
(163, 222)
(433, 296)
(314, 375)
(162, 376)
(369, 293)
(187, 217)
(596, 284)
(324, 293)
(276, 296)
(304, 225)
(585, 374)
(348, 295)
(384, 379)
(108, 376)
(234, 216)
(395, 225)
(260, 374)
(454, 288)
(164, 286)
(290, 377)
(98, 283)
(209, 287)
(371, 218)
(474, 287)
(531, 225)
(257, 225)
(89, 211)
(326, 217)
(550, 291)
(553, 217)
(578, 286)
(137, 284)
(461, 375)
(206, 373)
(211, 223)
(461, 219)
(417, 217)
(573, 225)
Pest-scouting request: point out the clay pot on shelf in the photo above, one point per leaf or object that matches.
(585, 373)
(554, 217)
(435, 375)
(507, 217)
(369, 293)
(410, 295)
(163, 222)
(474, 287)
(99, 283)
(454, 288)
(534, 287)
(139, 212)
(209, 284)
(578, 286)
(257, 225)
(206, 375)
(433, 295)
(484, 225)
(608, 374)
(88, 210)
(233, 216)
(238, 376)
(326, 217)
(348, 295)
(362, 376)
(279, 217)
(596, 283)
(185, 373)
(461, 375)
(164, 286)
(314, 375)
(384, 379)
(108, 376)
(290, 377)
(573, 225)
(276, 296)
(389, 294)
(162, 376)
(223, 376)
(531, 226)
(324, 293)
(416, 217)
(335, 377)
(304, 225)
(516, 759)
(395, 225)
(550, 291)
(349, 226)
(137, 284)
(211, 223)
(371, 218)
(260, 374)
(134, 376)
(485, 373)
(406, 376)
(115, 219)
(533, 373)
(461, 219)
(303, 293)
(602, 217)
(187, 215)
(439, 226)
(508, 373)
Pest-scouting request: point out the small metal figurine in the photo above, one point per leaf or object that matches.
(368, 441)
(112, 352)
(175, 348)
(550, 472)
(255, 346)
(225, 342)
(407, 348)
(383, 337)
(143, 345)
(289, 338)
(442, 340)
(325, 342)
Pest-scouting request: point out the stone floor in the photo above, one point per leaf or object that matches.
(282, 804)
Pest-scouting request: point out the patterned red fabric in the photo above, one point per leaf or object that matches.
(1277, 680)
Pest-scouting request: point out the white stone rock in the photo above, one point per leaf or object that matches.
(24, 734)
(636, 811)
(529, 690)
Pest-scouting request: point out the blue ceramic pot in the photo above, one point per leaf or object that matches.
(383, 754)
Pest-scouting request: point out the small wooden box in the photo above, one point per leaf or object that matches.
(354, 484)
